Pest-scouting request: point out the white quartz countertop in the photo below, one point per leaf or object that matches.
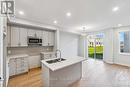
(17, 56)
(62, 64)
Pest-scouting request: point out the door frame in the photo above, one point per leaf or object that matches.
(3, 57)
(95, 44)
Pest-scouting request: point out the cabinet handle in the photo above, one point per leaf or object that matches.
(19, 44)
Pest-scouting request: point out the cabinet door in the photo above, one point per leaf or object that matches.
(15, 37)
(24, 65)
(39, 33)
(21, 65)
(18, 63)
(9, 36)
(18, 66)
(31, 32)
(23, 37)
(12, 67)
(45, 38)
(34, 61)
(51, 38)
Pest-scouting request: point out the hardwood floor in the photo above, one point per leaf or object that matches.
(30, 79)
(95, 74)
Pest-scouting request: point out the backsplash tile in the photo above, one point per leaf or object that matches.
(28, 50)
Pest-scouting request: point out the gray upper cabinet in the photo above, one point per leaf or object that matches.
(23, 37)
(39, 33)
(31, 33)
(9, 36)
(51, 37)
(45, 38)
(15, 37)
(18, 37)
(35, 33)
(48, 38)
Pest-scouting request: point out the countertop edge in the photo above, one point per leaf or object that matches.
(47, 65)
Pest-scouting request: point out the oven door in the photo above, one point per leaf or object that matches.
(33, 40)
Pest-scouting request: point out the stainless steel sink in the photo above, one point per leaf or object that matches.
(55, 60)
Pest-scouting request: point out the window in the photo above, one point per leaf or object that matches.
(124, 42)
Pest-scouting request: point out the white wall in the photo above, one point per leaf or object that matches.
(108, 46)
(83, 48)
(120, 58)
(68, 44)
(112, 47)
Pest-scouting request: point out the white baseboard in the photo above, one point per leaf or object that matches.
(122, 64)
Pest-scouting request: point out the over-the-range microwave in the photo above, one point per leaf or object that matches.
(34, 41)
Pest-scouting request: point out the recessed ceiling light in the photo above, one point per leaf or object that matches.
(119, 25)
(68, 14)
(21, 12)
(55, 22)
(86, 27)
(115, 9)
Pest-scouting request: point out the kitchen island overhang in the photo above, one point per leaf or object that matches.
(62, 74)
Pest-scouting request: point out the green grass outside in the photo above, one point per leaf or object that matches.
(99, 52)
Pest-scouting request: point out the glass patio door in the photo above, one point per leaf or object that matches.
(95, 46)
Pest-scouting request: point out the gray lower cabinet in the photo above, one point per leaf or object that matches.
(34, 61)
(18, 66)
(12, 67)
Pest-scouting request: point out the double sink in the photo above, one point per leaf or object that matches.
(55, 60)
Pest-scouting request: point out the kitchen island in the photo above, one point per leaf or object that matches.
(61, 73)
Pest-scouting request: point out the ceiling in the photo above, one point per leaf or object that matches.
(95, 14)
